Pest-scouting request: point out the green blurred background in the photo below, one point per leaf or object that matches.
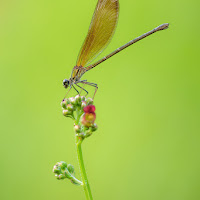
(147, 105)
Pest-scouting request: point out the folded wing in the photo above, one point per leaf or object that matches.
(100, 32)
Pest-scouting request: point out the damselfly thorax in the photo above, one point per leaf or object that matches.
(100, 32)
(75, 79)
(76, 75)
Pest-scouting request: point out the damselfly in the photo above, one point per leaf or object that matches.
(100, 32)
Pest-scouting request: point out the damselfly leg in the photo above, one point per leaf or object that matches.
(67, 93)
(75, 89)
(82, 88)
(91, 84)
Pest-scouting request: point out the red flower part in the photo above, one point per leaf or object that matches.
(89, 116)
(89, 109)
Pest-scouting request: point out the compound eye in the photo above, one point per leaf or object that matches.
(65, 83)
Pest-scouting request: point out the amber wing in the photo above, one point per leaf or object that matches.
(100, 32)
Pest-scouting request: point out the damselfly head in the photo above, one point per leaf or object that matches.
(66, 83)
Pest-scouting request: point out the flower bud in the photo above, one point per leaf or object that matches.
(77, 128)
(70, 107)
(82, 98)
(78, 99)
(62, 165)
(89, 101)
(56, 169)
(67, 113)
(60, 176)
(88, 119)
(94, 127)
(89, 109)
(70, 168)
(84, 104)
(64, 104)
(72, 100)
(67, 174)
(88, 133)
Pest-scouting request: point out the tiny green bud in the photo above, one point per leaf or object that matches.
(77, 128)
(70, 168)
(89, 101)
(62, 164)
(67, 112)
(67, 174)
(78, 99)
(60, 176)
(82, 98)
(83, 104)
(70, 107)
(56, 169)
(88, 133)
(68, 101)
(64, 104)
(72, 100)
(94, 127)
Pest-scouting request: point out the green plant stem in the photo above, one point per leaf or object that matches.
(85, 184)
(76, 181)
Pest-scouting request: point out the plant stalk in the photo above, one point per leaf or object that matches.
(85, 182)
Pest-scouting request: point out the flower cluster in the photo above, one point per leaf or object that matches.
(63, 170)
(83, 112)
(73, 104)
